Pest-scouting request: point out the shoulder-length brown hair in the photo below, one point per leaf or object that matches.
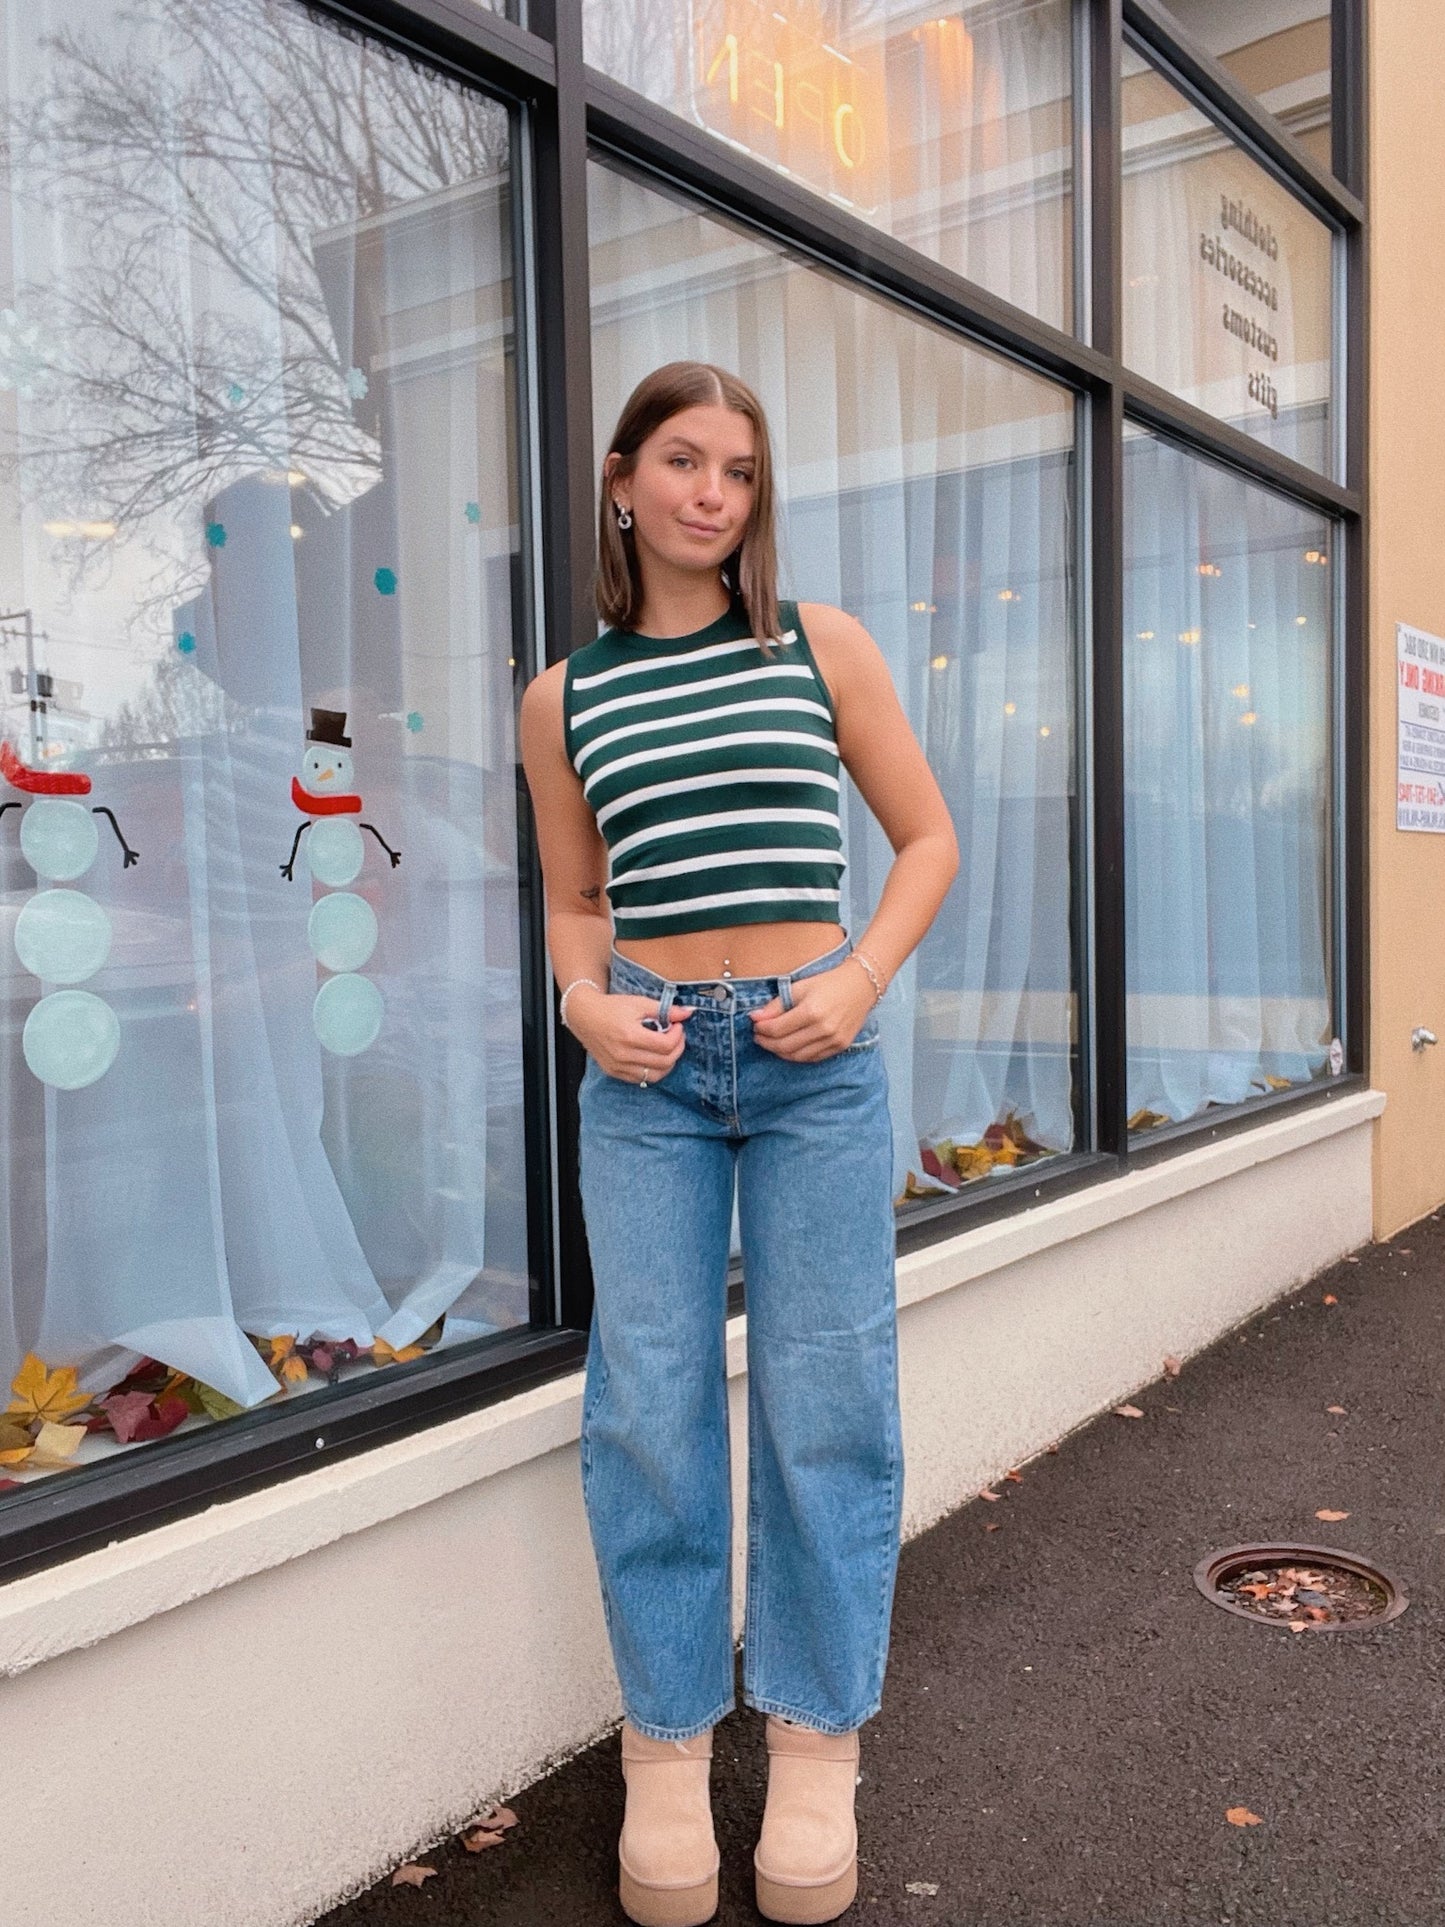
(751, 571)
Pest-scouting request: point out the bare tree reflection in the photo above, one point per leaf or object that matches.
(184, 159)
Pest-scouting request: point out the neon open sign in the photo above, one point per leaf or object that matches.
(779, 86)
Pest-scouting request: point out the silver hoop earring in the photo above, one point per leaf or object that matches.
(624, 518)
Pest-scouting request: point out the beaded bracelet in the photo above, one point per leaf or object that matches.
(562, 1005)
(868, 964)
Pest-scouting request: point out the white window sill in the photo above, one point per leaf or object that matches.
(83, 1600)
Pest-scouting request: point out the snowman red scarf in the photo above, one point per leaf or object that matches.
(315, 805)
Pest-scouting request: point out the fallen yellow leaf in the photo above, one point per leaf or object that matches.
(383, 1354)
(1242, 1817)
(1325, 1513)
(479, 1841)
(56, 1444)
(40, 1393)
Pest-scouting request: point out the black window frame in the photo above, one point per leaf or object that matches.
(562, 113)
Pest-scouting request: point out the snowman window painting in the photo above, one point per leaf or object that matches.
(342, 927)
(258, 772)
(62, 936)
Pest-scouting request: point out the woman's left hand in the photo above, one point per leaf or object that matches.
(827, 1014)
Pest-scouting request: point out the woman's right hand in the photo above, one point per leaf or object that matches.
(614, 1028)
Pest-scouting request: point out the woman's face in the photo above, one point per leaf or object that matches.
(691, 493)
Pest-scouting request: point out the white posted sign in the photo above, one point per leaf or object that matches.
(1420, 778)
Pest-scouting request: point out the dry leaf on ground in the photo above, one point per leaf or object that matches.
(1172, 1366)
(1338, 1410)
(481, 1839)
(498, 1818)
(984, 1493)
(1242, 1817)
(1127, 1411)
(411, 1875)
(1325, 1513)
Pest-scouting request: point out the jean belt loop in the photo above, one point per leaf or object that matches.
(785, 990)
(664, 1008)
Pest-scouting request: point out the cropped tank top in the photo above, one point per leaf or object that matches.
(712, 773)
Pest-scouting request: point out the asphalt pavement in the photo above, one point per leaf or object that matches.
(1067, 1722)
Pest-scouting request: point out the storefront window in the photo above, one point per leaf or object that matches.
(952, 131)
(1280, 51)
(258, 859)
(1227, 652)
(926, 488)
(1227, 283)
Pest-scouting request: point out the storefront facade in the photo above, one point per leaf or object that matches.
(316, 323)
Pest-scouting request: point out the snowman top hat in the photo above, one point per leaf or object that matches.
(327, 726)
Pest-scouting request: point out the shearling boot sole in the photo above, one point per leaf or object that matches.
(806, 1906)
(666, 1906)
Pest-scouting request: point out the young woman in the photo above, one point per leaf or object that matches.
(684, 766)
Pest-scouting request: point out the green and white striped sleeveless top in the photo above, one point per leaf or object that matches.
(713, 775)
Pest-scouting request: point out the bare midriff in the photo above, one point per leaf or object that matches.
(745, 950)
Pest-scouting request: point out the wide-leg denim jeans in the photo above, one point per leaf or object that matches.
(809, 1147)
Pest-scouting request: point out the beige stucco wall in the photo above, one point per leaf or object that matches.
(1407, 584)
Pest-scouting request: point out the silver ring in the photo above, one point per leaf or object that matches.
(643, 1078)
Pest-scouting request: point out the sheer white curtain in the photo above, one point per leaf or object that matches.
(1227, 654)
(255, 342)
(926, 489)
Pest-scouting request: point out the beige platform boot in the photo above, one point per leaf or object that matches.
(667, 1853)
(806, 1859)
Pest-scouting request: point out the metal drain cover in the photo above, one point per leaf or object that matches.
(1317, 1589)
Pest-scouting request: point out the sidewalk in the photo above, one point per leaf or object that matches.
(1066, 1719)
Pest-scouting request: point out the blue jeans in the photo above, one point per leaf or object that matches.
(810, 1147)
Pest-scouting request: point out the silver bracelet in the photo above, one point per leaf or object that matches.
(562, 1006)
(878, 988)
